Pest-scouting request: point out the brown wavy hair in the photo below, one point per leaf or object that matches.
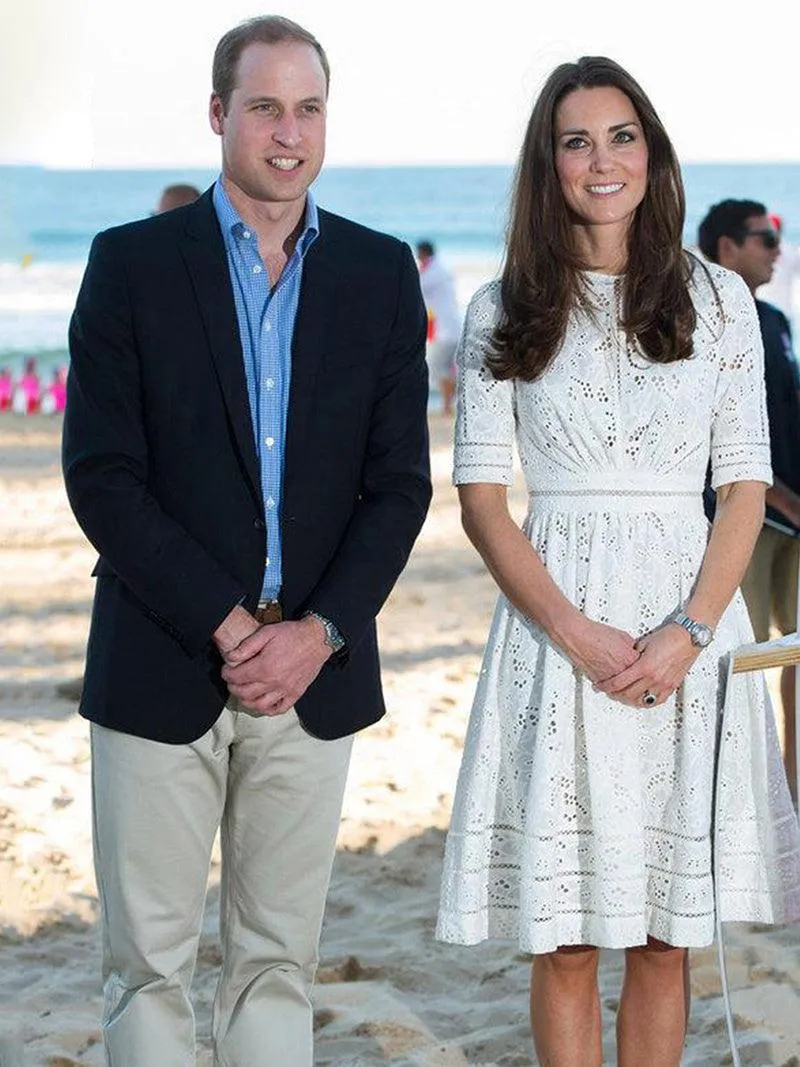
(541, 281)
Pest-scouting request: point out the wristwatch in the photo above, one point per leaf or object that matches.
(333, 639)
(701, 635)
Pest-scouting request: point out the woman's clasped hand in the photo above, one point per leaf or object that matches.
(659, 664)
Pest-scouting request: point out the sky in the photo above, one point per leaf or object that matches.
(125, 83)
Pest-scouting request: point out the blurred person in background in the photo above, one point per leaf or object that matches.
(27, 394)
(439, 293)
(740, 235)
(6, 388)
(177, 195)
(54, 397)
(783, 289)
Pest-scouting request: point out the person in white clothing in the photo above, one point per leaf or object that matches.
(783, 288)
(585, 814)
(444, 318)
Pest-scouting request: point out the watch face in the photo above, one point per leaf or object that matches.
(702, 635)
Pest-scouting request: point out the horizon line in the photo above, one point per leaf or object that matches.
(467, 165)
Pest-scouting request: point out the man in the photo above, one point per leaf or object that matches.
(740, 235)
(245, 443)
(177, 195)
(438, 290)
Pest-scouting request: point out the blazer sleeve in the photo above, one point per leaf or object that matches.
(395, 486)
(106, 458)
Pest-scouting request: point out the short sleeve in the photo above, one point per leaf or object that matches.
(485, 418)
(739, 426)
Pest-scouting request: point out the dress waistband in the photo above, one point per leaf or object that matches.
(631, 499)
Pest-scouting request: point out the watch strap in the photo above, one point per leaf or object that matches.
(333, 639)
(692, 626)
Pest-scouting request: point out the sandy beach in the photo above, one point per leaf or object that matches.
(387, 992)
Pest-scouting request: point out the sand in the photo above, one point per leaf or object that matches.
(387, 993)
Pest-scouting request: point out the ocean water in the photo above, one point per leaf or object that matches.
(49, 217)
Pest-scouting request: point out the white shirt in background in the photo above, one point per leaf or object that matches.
(439, 294)
(784, 289)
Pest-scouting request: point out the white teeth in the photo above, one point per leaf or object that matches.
(615, 188)
(284, 164)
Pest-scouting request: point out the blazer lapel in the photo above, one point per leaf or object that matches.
(207, 263)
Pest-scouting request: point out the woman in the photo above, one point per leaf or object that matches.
(27, 394)
(583, 813)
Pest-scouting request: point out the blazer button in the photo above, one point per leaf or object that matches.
(259, 524)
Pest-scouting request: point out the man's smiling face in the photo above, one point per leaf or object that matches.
(273, 130)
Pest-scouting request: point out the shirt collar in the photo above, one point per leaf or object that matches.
(233, 226)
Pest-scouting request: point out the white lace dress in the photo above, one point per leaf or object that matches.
(578, 819)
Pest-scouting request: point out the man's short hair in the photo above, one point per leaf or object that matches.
(425, 248)
(265, 29)
(728, 218)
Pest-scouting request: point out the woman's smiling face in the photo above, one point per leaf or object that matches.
(600, 157)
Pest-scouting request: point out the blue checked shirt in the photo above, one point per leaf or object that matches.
(266, 326)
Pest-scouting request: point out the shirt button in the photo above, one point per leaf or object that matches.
(269, 442)
(267, 325)
(257, 268)
(270, 383)
(270, 502)
(246, 234)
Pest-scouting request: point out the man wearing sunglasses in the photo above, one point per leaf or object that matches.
(740, 235)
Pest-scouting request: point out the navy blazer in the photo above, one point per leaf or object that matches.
(162, 473)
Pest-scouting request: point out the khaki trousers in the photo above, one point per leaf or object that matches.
(276, 792)
(769, 585)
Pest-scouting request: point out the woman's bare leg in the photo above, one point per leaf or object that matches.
(654, 1007)
(565, 1008)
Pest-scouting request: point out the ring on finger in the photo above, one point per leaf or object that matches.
(648, 698)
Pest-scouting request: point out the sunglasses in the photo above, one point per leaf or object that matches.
(770, 239)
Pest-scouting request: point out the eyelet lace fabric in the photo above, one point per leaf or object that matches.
(578, 819)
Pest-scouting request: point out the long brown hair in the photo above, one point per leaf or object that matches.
(541, 282)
